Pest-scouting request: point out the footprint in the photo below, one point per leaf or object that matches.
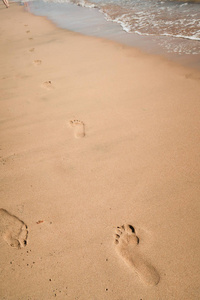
(27, 31)
(30, 39)
(47, 84)
(127, 246)
(192, 76)
(13, 230)
(32, 49)
(79, 128)
(37, 62)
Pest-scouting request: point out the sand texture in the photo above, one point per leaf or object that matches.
(100, 164)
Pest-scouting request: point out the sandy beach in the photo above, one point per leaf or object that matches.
(100, 164)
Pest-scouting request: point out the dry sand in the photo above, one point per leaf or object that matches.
(95, 136)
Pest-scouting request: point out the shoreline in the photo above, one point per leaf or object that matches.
(95, 135)
(91, 22)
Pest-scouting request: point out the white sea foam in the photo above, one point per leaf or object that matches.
(86, 4)
(184, 4)
(147, 24)
(194, 38)
(128, 28)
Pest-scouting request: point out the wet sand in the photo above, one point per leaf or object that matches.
(99, 168)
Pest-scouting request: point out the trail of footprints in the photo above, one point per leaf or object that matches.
(15, 232)
(37, 62)
(77, 125)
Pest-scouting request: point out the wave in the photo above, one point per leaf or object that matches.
(149, 18)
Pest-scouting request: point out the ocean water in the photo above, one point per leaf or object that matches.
(169, 26)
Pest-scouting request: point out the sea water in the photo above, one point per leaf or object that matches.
(158, 26)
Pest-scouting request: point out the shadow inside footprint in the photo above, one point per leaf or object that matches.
(13, 230)
(37, 62)
(79, 128)
(47, 84)
(127, 246)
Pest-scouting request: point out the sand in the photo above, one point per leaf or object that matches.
(99, 168)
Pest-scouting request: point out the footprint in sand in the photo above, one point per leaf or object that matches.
(30, 39)
(47, 84)
(28, 31)
(13, 230)
(127, 246)
(37, 62)
(32, 50)
(79, 128)
(192, 76)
